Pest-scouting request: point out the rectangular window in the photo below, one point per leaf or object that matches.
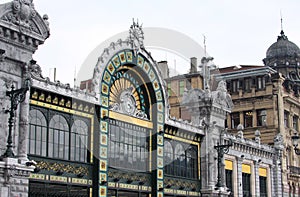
(235, 120)
(263, 186)
(246, 178)
(248, 85)
(229, 181)
(169, 89)
(286, 119)
(128, 146)
(248, 119)
(261, 83)
(235, 86)
(181, 87)
(295, 122)
(261, 117)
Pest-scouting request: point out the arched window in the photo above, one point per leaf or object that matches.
(168, 157)
(37, 137)
(58, 144)
(78, 146)
(191, 162)
(179, 162)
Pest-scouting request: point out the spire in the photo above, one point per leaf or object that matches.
(281, 23)
(282, 36)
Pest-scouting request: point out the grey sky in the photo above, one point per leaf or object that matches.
(238, 32)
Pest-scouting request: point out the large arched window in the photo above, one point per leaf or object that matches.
(79, 141)
(58, 144)
(37, 137)
(179, 157)
(168, 154)
(191, 162)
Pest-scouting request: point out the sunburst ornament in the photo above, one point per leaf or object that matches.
(127, 97)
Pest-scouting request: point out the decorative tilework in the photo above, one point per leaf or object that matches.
(160, 184)
(104, 126)
(158, 95)
(122, 57)
(160, 174)
(160, 151)
(160, 117)
(160, 140)
(103, 139)
(103, 176)
(140, 61)
(106, 77)
(104, 113)
(102, 191)
(111, 68)
(160, 107)
(116, 61)
(41, 97)
(160, 162)
(103, 165)
(129, 56)
(160, 128)
(155, 85)
(152, 75)
(104, 101)
(146, 67)
(103, 152)
(104, 89)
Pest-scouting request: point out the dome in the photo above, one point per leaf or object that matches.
(283, 48)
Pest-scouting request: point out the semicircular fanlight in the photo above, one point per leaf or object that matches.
(127, 95)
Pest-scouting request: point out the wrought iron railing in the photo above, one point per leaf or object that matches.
(294, 170)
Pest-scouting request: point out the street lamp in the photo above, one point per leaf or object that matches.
(221, 149)
(16, 97)
(295, 139)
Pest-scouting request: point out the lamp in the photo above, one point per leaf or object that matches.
(16, 96)
(295, 140)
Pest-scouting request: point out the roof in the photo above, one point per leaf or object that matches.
(283, 48)
(237, 68)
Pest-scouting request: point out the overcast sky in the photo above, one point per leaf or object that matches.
(238, 32)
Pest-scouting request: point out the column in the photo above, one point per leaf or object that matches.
(239, 177)
(256, 177)
(23, 128)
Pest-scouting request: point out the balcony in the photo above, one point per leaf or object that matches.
(294, 170)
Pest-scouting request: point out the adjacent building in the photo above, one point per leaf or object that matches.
(121, 138)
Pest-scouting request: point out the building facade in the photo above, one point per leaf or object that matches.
(266, 98)
(119, 139)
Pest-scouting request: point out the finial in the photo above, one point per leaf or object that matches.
(281, 23)
(204, 43)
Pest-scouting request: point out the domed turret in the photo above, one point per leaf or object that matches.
(284, 57)
(283, 48)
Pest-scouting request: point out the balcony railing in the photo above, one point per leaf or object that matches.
(294, 170)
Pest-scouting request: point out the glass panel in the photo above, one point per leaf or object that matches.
(127, 146)
(37, 125)
(261, 117)
(235, 120)
(79, 140)
(263, 186)
(248, 118)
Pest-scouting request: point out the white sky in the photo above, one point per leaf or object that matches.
(238, 32)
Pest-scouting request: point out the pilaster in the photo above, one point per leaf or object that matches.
(239, 177)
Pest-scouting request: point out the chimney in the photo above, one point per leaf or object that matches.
(164, 69)
(193, 65)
